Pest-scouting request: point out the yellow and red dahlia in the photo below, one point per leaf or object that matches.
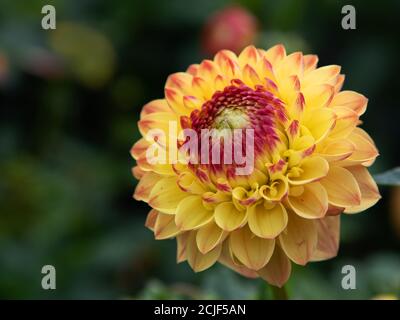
(309, 163)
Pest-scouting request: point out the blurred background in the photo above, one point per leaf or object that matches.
(69, 102)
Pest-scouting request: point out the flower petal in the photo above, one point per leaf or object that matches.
(337, 150)
(139, 148)
(364, 153)
(278, 269)
(252, 251)
(318, 96)
(310, 62)
(319, 122)
(276, 191)
(165, 226)
(369, 190)
(312, 169)
(323, 75)
(188, 182)
(342, 187)
(346, 121)
(312, 203)
(166, 195)
(181, 245)
(352, 100)
(226, 259)
(151, 219)
(191, 214)
(291, 65)
(299, 240)
(328, 238)
(267, 222)
(145, 185)
(275, 54)
(250, 56)
(180, 81)
(157, 120)
(159, 105)
(228, 217)
(196, 259)
(209, 236)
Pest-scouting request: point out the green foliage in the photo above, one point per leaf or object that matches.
(389, 178)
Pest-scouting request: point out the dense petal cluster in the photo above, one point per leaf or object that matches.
(310, 163)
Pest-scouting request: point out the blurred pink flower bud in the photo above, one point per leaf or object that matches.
(232, 28)
(3, 68)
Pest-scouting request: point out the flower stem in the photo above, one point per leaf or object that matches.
(279, 293)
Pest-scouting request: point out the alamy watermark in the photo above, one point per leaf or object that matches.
(49, 278)
(49, 18)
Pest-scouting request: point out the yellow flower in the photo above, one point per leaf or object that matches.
(310, 162)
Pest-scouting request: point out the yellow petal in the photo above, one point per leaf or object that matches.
(196, 259)
(312, 203)
(342, 187)
(228, 63)
(191, 102)
(318, 96)
(191, 214)
(154, 162)
(346, 121)
(188, 182)
(278, 269)
(151, 219)
(157, 120)
(369, 190)
(267, 222)
(228, 217)
(361, 132)
(174, 98)
(310, 62)
(252, 251)
(312, 169)
(319, 122)
(364, 153)
(299, 240)
(291, 65)
(159, 105)
(165, 226)
(139, 148)
(137, 172)
(276, 191)
(323, 75)
(250, 76)
(166, 195)
(208, 70)
(201, 88)
(181, 245)
(192, 69)
(328, 238)
(352, 100)
(337, 150)
(145, 185)
(226, 259)
(275, 54)
(339, 82)
(180, 81)
(209, 236)
(250, 56)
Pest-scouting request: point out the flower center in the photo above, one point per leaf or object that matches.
(237, 108)
(231, 118)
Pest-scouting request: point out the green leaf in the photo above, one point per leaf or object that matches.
(389, 178)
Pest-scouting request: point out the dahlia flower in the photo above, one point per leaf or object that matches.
(308, 166)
